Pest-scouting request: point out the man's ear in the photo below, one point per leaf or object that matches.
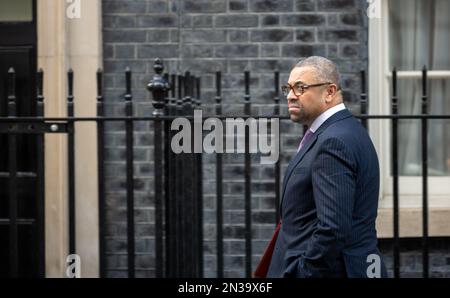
(331, 92)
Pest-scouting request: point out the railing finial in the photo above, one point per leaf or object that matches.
(158, 86)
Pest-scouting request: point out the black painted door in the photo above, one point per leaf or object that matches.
(21, 252)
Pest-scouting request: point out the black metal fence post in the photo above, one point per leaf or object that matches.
(394, 147)
(248, 182)
(129, 175)
(425, 173)
(12, 166)
(179, 186)
(219, 184)
(167, 183)
(159, 87)
(187, 205)
(71, 165)
(276, 113)
(40, 172)
(199, 186)
(101, 176)
(170, 178)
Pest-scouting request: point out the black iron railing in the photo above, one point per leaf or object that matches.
(178, 187)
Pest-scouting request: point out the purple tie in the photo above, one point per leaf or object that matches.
(305, 138)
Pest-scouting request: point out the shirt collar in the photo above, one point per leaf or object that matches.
(325, 115)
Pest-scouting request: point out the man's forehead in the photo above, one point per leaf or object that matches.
(301, 75)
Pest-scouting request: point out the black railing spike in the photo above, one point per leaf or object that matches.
(99, 84)
(11, 84)
(128, 83)
(70, 84)
(187, 83)
(40, 85)
(363, 80)
(218, 97)
(173, 79)
(424, 84)
(394, 80)
(247, 86)
(277, 86)
(198, 88)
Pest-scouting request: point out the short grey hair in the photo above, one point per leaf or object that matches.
(325, 69)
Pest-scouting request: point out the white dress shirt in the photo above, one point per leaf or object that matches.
(325, 115)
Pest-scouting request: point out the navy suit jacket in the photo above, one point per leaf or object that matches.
(329, 206)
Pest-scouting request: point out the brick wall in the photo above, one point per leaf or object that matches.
(204, 36)
(411, 257)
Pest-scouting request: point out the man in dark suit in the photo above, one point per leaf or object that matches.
(331, 186)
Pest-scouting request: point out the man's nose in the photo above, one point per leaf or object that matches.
(291, 97)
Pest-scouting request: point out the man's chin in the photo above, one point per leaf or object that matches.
(295, 118)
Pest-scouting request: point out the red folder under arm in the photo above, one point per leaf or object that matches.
(263, 266)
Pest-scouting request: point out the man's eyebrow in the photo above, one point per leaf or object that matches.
(298, 81)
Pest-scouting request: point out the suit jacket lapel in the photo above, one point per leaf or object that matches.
(299, 156)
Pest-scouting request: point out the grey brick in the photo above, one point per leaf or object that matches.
(233, 274)
(117, 274)
(157, 51)
(234, 262)
(338, 35)
(110, 7)
(120, 66)
(202, 21)
(267, 203)
(238, 5)
(294, 50)
(332, 51)
(237, 65)
(351, 19)
(263, 217)
(124, 21)
(108, 21)
(145, 273)
(269, 65)
(204, 6)
(332, 20)
(125, 51)
(125, 36)
(238, 35)
(144, 261)
(271, 35)
(197, 51)
(165, 21)
(237, 50)
(270, 20)
(270, 50)
(158, 35)
(302, 20)
(116, 245)
(203, 35)
(108, 52)
(305, 35)
(349, 51)
(327, 5)
(305, 5)
(157, 6)
(271, 5)
(236, 20)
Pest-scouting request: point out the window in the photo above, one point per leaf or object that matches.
(409, 35)
(419, 34)
(16, 10)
